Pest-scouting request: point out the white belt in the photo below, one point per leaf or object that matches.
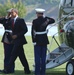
(10, 31)
(44, 32)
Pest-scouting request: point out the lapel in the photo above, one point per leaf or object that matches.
(15, 24)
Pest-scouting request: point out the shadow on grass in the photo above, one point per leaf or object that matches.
(56, 71)
(48, 72)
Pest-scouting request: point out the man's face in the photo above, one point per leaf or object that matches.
(39, 14)
(13, 14)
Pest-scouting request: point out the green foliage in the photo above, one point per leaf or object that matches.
(21, 8)
(7, 5)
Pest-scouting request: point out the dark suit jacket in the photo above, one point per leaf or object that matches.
(19, 29)
(7, 26)
(39, 25)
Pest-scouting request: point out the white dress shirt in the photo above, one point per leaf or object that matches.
(15, 18)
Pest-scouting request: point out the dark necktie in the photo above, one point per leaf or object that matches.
(12, 22)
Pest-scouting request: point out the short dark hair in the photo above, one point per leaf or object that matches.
(15, 10)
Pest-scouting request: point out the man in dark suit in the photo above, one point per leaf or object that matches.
(40, 40)
(6, 39)
(19, 28)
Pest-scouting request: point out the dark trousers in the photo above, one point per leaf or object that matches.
(40, 59)
(18, 51)
(7, 55)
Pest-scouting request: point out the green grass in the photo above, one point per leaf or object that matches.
(30, 57)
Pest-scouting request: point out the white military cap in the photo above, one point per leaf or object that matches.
(9, 10)
(40, 10)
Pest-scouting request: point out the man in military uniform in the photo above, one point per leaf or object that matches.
(40, 40)
(5, 21)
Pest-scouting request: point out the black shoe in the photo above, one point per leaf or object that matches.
(1, 71)
(5, 72)
(27, 72)
(8, 72)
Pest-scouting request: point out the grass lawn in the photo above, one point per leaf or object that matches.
(30, 57)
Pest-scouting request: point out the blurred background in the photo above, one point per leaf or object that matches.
(26, 11)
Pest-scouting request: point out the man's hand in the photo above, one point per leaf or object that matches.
(14, 36)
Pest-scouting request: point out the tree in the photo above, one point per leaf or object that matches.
(7, 5)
